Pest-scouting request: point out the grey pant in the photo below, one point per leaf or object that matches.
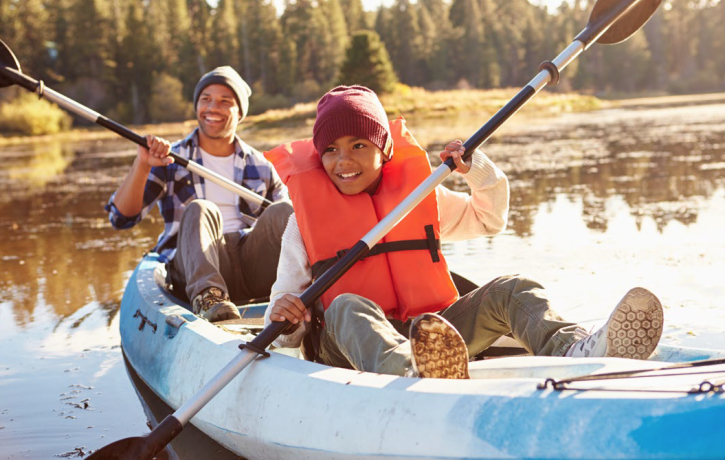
(358, 336)
(244, 267)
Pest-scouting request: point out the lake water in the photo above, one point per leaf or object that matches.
(600, 202)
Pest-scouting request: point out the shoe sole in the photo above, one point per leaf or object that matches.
(221, 312)
(439, 351)
(635, 327)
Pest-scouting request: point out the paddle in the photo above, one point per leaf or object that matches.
(10, 74)
(604, 19)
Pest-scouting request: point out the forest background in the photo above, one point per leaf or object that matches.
(137, 61)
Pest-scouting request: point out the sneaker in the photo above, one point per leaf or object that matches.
(214, 305)
(632, 331)
(438, 349)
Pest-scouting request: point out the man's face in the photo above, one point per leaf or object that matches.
(217, 112)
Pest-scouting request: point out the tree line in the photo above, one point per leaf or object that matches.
(138, 60)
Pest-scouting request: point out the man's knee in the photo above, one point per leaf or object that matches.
(198, 208)
(274, 218)
(279, 211)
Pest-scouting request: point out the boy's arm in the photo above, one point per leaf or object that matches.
(484, 212)
(294, 275)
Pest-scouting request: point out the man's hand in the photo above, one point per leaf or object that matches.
(157, 154)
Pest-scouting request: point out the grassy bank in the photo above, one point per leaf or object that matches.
(415, 104)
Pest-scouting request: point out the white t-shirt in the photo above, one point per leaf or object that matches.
(226, 201)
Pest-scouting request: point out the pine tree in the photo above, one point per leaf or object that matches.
(307, 26)
(513, 15)
(718, 15)
(137, 60)
(437, 36)
(169, 30)
(223, 37)
(627, 66)
(384, 26)
(467, 23)
(262, 46)
(367, 63)
(32, 36)
(338, 31)
(655, 39)
(286, 74)
(87, 47)
(406, 50)
(354, 15)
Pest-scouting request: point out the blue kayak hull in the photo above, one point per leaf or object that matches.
(283, 407)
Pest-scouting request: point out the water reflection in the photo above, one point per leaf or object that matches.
(37, 165)
(57, 248)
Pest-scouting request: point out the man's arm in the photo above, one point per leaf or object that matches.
(128, 199)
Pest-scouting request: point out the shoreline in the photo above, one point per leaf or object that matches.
(416, 105)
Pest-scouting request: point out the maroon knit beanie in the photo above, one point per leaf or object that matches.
(351, 111)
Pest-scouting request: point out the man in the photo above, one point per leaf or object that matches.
(219, 248)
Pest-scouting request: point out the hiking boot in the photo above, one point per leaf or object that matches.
(213, 305)
(438, 349)
(632, 331)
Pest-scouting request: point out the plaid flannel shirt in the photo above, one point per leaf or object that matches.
(173, 187)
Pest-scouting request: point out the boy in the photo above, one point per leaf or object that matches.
(381, 315)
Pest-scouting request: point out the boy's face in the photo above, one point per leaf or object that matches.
(354, 165)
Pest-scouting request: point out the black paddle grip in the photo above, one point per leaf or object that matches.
(135, 138)
(18, 78)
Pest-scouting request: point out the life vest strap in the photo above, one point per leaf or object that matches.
(430, 243)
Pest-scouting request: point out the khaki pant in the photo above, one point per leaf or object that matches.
(244, 267)
(358, 336)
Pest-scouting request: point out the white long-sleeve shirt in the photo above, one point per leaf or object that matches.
(462, 217)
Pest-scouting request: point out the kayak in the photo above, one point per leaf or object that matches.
(524, 407)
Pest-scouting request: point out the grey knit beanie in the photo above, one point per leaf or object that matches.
(228, 77)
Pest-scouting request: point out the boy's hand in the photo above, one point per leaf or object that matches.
(455, 150)
(290, 308)
(157, 153)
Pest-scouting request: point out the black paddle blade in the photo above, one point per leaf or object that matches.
(628, 24)
(7, 59)
(142, 447)
(124, 449)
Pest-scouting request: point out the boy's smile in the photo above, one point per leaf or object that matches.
(354, 165)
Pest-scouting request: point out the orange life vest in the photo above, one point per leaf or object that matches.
(405, 283)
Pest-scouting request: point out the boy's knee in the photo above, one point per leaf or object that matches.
(347, 304)
(514, 283)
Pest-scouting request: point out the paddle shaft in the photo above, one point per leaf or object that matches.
(70, 105)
